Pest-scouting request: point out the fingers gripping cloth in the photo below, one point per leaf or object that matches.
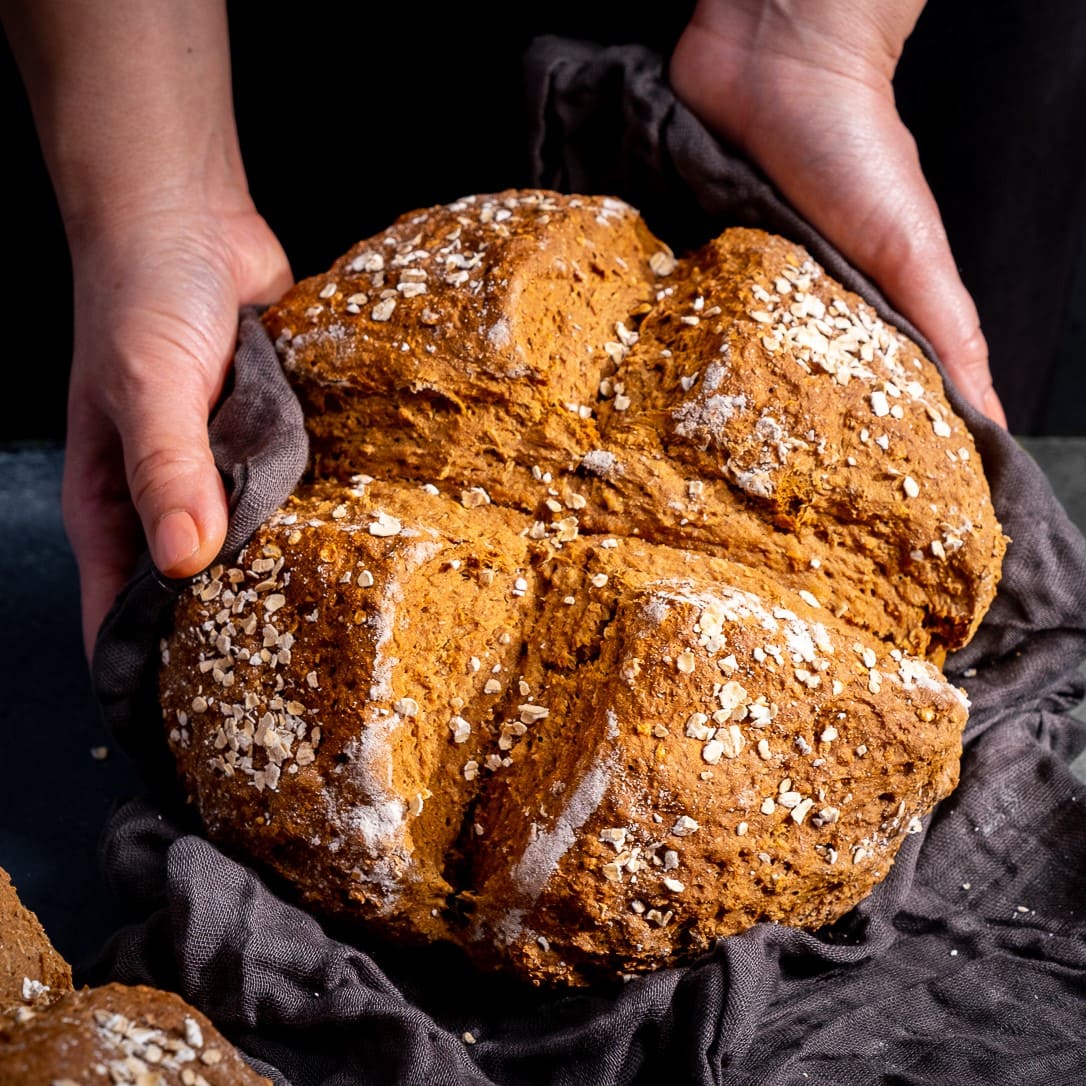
(965, 965)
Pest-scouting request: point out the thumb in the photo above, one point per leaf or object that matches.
(175, 486)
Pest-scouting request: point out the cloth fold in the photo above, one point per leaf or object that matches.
(967, 964)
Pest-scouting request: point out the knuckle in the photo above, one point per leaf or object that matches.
(158, 477)
(973, 353)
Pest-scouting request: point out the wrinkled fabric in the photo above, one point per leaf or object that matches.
(966, 965)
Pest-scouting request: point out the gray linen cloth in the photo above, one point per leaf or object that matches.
(967, 965)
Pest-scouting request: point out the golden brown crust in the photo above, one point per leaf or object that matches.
(624, 648)
(834, 427)
(31, 970)
(739, 757)
(479, 320)
(378, 617)
(118, 1034)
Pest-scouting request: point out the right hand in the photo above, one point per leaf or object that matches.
(157, 295)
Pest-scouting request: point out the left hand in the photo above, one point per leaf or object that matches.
(805, 90)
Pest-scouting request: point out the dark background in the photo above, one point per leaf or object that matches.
(348, 119)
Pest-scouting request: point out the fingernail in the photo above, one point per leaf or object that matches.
(176, 539)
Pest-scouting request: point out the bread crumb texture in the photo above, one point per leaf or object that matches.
(609, 618)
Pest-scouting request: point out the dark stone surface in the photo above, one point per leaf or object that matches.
(54, 795)
(1063, 460)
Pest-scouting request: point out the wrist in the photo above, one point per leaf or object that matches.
(827, 34)
(746, 67)
(186, 178)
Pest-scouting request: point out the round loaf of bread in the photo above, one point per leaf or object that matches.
(607, 621)
(118, 1034)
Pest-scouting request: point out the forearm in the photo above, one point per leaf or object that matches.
(132, 102)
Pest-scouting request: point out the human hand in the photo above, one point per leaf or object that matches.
(133, 105)
(806, 91)
(157, 294)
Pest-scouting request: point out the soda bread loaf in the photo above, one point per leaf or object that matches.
(608, 619)
(54, 1035)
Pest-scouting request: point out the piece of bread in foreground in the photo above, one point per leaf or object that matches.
(118, 1034)
(54, 1035)
(31, 970)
